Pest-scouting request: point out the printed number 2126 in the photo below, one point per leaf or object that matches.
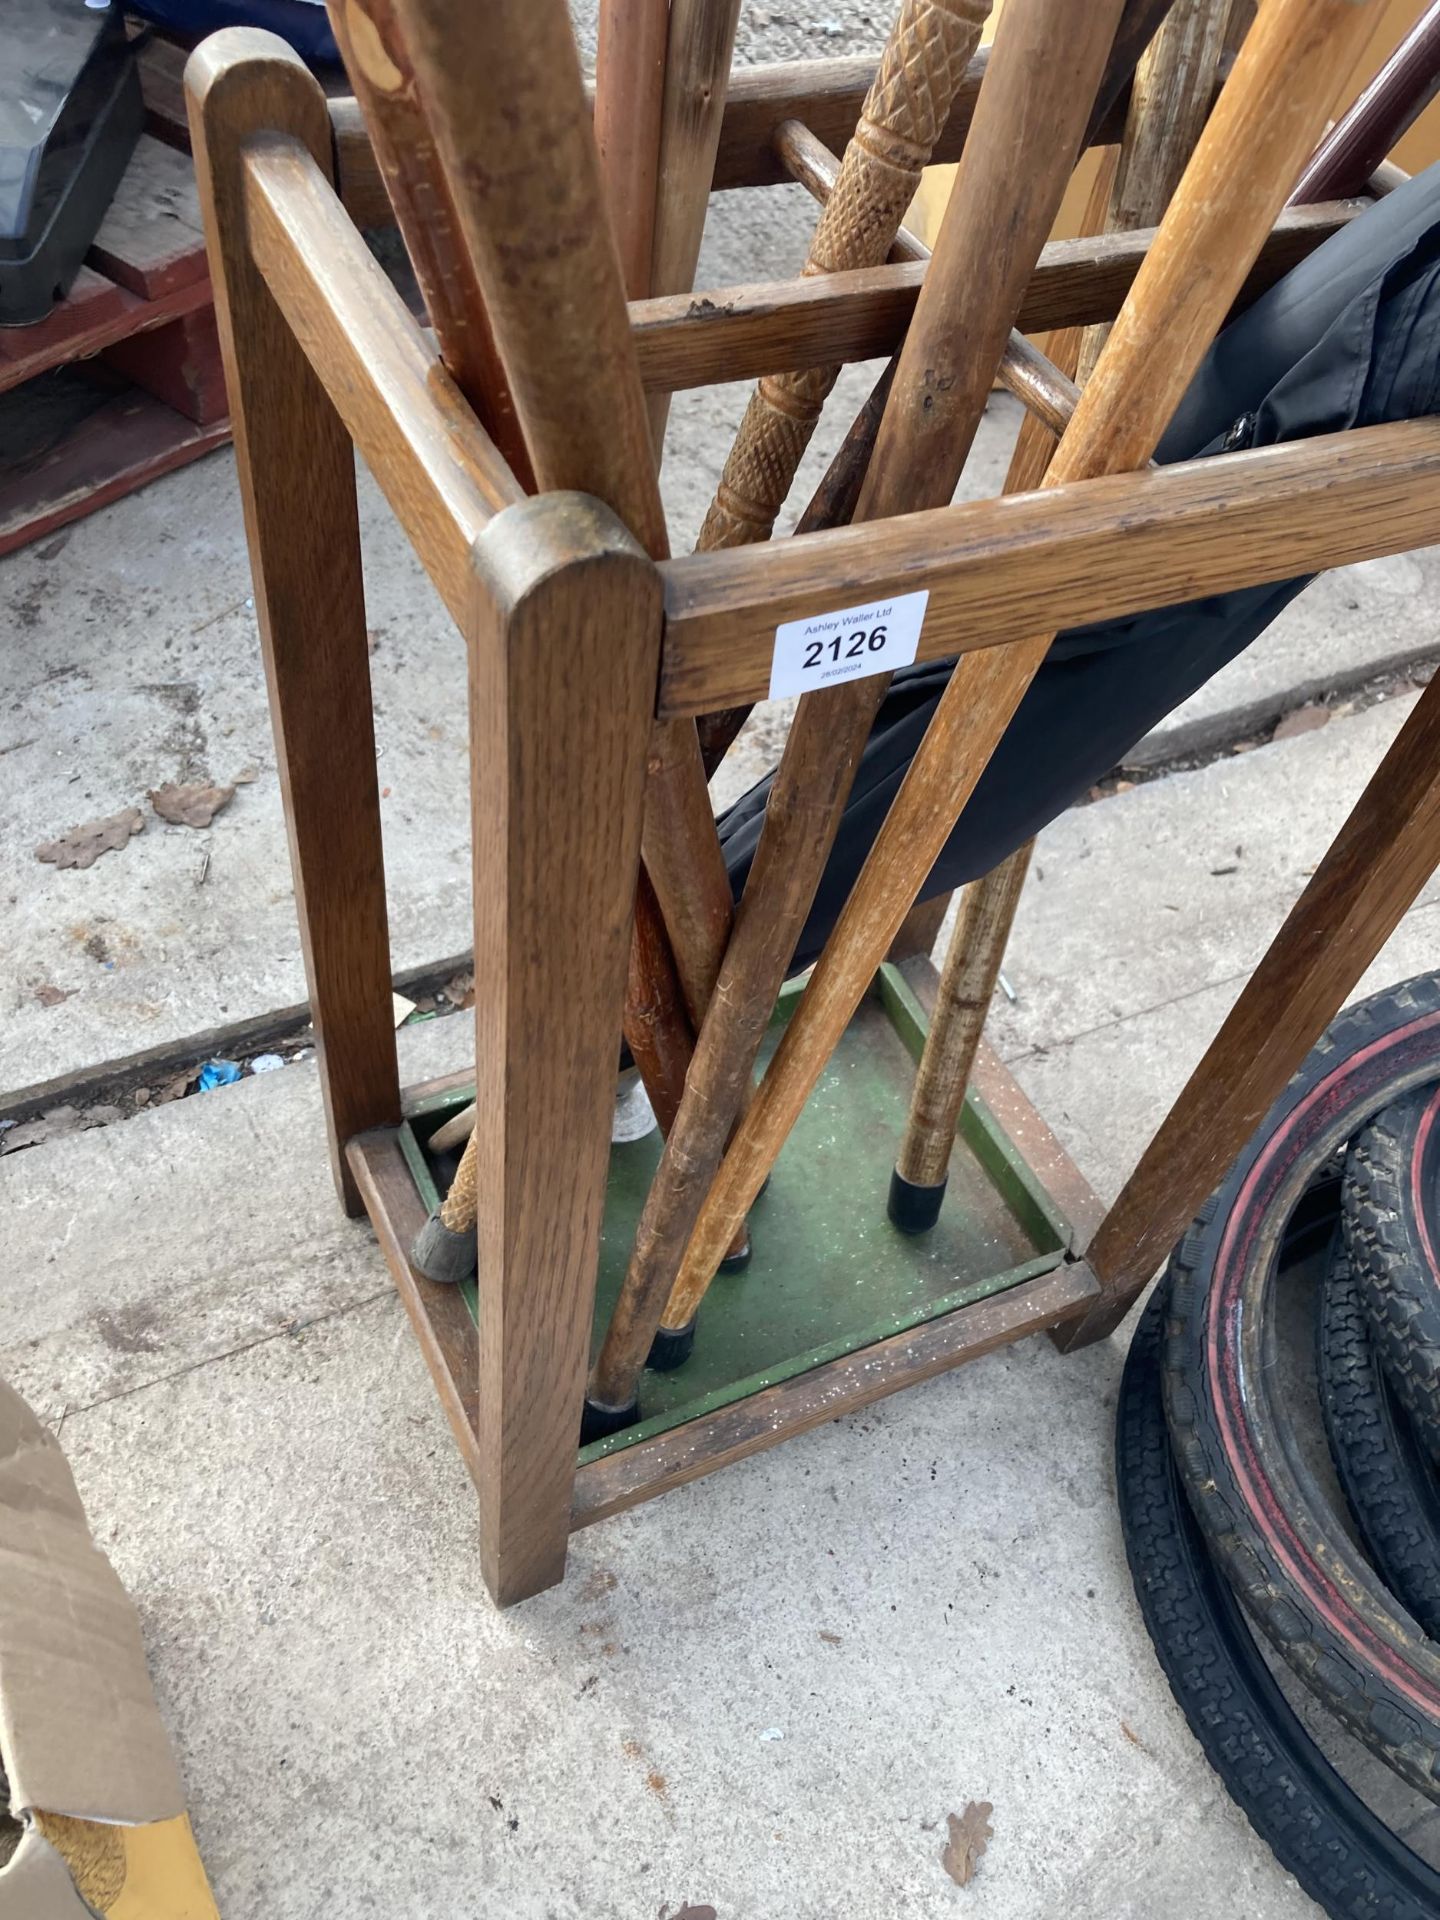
(824, 649)
(850, 646)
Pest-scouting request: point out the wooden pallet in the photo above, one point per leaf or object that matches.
(123, 380)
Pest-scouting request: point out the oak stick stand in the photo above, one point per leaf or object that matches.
(577, 642)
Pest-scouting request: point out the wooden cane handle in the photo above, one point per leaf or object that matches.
(907, 106)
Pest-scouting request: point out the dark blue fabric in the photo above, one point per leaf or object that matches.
(1350, 337)
(304, 25)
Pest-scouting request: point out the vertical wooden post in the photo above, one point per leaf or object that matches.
(564, 661)
(297, 485)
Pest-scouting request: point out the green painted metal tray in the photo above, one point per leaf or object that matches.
(829, 1274)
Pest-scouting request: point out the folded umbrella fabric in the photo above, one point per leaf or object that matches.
(1350, 337)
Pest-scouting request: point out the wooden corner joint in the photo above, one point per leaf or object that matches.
(556, 538)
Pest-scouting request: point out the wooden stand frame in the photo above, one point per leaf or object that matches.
(577, 641)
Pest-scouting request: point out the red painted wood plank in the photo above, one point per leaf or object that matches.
(179, 363)
(92, 302)
(131, 315)
(125, 442)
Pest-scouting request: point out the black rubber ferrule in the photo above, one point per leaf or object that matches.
(914, 1209)
(736, 1262)
(598, 1423)
(672, 1347)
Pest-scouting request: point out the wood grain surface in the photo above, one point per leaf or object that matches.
(297, 488)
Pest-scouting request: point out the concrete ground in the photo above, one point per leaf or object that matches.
(764, 1693)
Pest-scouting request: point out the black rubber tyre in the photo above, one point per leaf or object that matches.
(1388, 1478)
(1390, 1213)
(1319, 1829)
(1272, 1531)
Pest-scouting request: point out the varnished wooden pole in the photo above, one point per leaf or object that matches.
(1378, 117)
(297, 486)
(1172, 93)
(1023, 369)
(378, 59)
(1252, 149)
(1022, 149)
(630, 45)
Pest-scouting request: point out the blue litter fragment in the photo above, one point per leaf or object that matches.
(267, 1063)
(218, 1073)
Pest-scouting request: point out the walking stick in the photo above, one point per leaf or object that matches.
(1169, 101)
(629, 94)
(504, 109)
(1045, 389)
(904, 114)
(1379, 116)
(1251, 150)
(774, 446)
(1028, 126)
(1168, 104)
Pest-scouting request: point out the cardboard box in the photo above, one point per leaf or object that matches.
(91, 1779)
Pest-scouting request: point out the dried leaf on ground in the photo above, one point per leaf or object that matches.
(1302, 720)
(83, 846)
(687, 1912)
(191, 803)
(969, 1836)
(460, 991)
(49, 996)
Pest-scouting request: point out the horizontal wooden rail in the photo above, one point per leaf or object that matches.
(1006, 569)
(433, 460)
(826, 94)
(740, 333)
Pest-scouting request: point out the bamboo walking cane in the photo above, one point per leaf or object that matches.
(504, 111)
(1028, 126)
(1171, 96)
(1253, 146)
